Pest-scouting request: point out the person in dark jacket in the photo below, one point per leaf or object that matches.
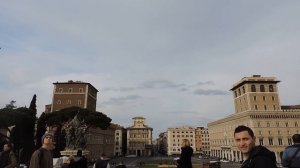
(185, 160)
(103, 162)
(254, 156)
(291, 154)
(8, 157)
(121, 165)
(80, 161)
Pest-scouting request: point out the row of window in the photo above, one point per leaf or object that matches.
(139, 136)
(178, 136)
(270, 141)
(183, 132)
(70, 90)
(278, 132)
(277, 123)
(69, 101)
(253, 89)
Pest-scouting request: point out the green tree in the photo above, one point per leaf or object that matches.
(32, 105)
(11, 105)
(40, 130)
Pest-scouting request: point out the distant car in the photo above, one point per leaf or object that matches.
(224, 161)
(177, 158)
(130, 156)
(213, 161)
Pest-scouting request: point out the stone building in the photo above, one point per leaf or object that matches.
(139, 138)
(202, 141)
(83, 95)
(257, 105)
(120, 139)
(68, 94)
(162, 143)
(175, 137)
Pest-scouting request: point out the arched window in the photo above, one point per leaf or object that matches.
(253, 88)
(271, 89)
(262, 88)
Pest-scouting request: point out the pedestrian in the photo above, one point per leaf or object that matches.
(65, 162)
(185, 160)
(291, 154)
(80, 160)
(254, 156)
(7, 157)
(103, 162)
(121, 165)
(42, 157)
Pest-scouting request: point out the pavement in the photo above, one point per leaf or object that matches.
(135, 162)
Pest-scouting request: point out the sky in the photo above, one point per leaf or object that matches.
(170, 61)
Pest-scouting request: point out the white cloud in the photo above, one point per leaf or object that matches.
(150, 57)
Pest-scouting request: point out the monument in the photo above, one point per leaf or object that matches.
(75, 134)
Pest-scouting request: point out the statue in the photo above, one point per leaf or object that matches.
(75, 134)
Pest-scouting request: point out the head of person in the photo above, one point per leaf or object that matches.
(296, 138)
(47, 139)
(71, 159)
(103, 156)
(79, 153)
(7, 147)
(244, 139)
(185, 142)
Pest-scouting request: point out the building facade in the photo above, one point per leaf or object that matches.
(101, 141)
(202, 141)
(257, 105)
(175, 138)
(139, 138)
(120, 139)
(162, 143)
(83, 95)
(69, 94)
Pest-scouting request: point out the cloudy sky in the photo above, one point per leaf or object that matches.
(172, 62)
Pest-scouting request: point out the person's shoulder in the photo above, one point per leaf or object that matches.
(12, 153)
(292, 147)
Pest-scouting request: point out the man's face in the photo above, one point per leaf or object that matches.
(6, 147)
(244, 141)
(48, 140)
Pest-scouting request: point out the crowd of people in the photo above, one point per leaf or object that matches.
(254, 156)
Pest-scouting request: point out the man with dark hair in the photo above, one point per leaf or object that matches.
(254, 156)
(42, 158)
(291, 154)
(103, 162)
(80, 160)
(8, 157)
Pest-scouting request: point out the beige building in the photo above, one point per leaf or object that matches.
(257, 105)
(68, 94)
(202, 141)
(120, 139)
(139, 138)
(175, 137)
